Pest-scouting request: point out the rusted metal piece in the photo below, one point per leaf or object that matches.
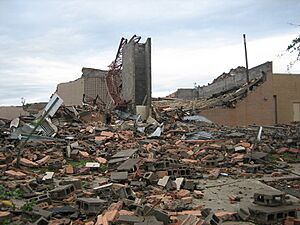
(113, 78)
(93, 101)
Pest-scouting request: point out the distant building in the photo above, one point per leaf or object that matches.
(12, 112)
(185, 93)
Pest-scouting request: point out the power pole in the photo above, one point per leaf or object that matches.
(246, 57)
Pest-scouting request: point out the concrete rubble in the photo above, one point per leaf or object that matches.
(164, 170)
(132, 160)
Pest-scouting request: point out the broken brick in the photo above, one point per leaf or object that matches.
(183, 193)
(226, 216)
(27, 162)
(214, 174)
(187, 200)
(43, 160)
(101, 160)
(69, 169)
(15, 174)
(84, 154)
(198, 194)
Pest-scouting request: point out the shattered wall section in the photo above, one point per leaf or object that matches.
(186, 93)
(136, 74)
(276, 101)
(71, 92)
(233, 81)
(95, 84)
(91, 72)
(91, 83)
(256, 108)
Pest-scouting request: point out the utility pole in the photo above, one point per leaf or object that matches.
(246, 57)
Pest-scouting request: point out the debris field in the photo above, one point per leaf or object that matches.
(84, 165)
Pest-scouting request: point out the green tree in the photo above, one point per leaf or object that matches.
(294, 46)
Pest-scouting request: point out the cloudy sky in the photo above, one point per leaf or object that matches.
(43, 43)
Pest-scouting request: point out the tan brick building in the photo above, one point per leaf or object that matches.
(275, 101)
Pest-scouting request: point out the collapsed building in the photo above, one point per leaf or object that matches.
(269, 98)
(191, 172)
(64, 165)
(128, 80)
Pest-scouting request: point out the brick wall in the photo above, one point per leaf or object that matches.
(94, 86)
(186, 93)
(286, 87)
(71, 92)
(257, 108)
(234, 81)
(136, 74)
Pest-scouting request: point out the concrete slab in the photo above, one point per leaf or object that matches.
(216, 193)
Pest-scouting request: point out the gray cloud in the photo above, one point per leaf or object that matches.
(43, 43)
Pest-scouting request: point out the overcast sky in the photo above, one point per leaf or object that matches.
(43, 43)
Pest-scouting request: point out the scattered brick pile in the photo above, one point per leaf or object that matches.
(121, 170)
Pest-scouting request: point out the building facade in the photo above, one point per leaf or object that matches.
(275, 101)
(90, 85)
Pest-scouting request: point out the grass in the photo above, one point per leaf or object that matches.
(4, 194)
(290, 157)
(78, 164)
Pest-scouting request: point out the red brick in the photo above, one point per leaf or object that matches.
(16, 174)
(43, 161)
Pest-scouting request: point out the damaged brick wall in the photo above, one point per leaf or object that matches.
(136, 74)
(186, 93)
(91, 83)
(71, 92)
(276, 101)
(256, 108)
(95, 84)
(233, 81)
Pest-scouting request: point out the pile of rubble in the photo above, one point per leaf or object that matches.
(79, 165)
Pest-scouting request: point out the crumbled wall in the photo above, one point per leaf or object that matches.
(257, 108)
(233, 81)
(136, 74)
(71, 92)
(91, 83)
(186, 93)
(271, 103)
